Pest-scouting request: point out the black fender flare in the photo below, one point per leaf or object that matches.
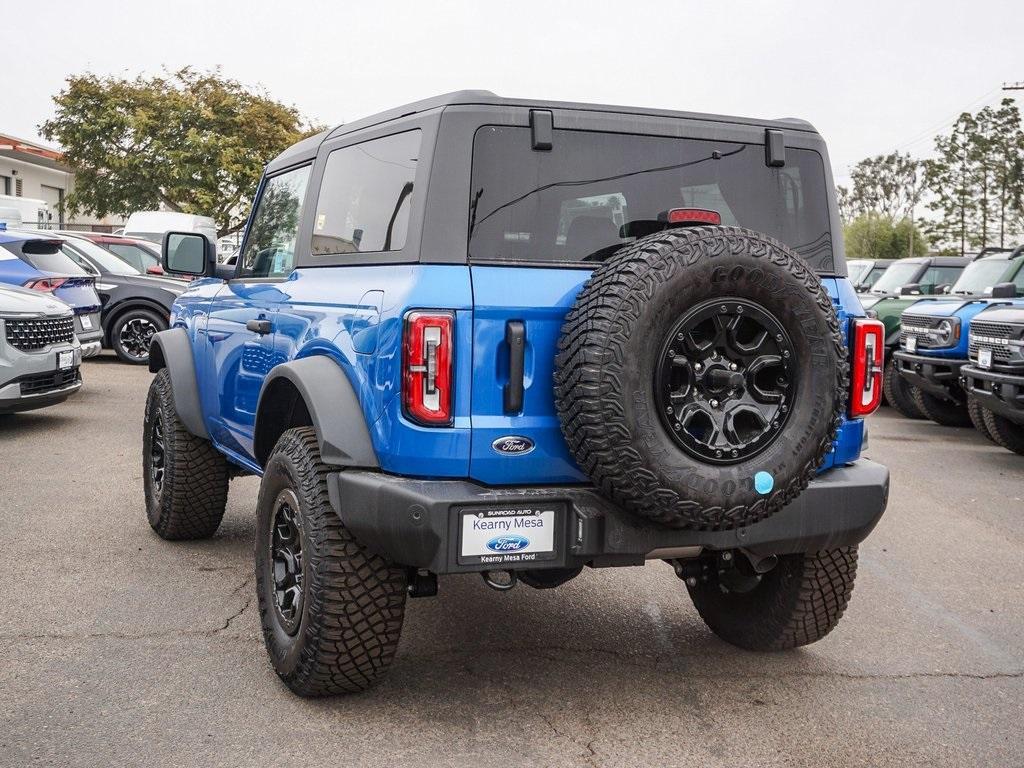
(171, 349)
(332, 406)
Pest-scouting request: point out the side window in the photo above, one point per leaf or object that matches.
(80, 260)
(270, 243)
(366, 196)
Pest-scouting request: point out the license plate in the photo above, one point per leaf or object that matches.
(516, 534)
(911, 343)
(86, 323)
(985, 358)
(65, 360)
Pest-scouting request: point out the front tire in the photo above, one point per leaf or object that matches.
(898, 393)
(1005, 432)
(330, 610)
(796, 603)
(133, 332)
(184, 477)
(976, 412)
(944, 412)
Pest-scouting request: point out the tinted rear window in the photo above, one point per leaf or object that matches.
(594, 192)
(46, 256)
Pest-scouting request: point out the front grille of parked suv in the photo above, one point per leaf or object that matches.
(917, 325)
(28, 335)
(1002, 338)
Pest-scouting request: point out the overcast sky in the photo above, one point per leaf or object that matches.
(873, 76)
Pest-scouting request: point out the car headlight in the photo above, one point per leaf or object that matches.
(947, 333)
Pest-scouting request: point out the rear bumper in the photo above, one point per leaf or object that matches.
(416, 522)
(937, 376)
(1001, 393)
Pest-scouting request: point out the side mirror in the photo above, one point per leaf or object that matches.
(911, 289)
(943, 288)
(1004, 291)
(189, 253)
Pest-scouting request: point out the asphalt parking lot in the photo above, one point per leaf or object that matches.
(121, 648)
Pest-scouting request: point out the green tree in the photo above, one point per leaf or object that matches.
(887, 185)
(874, 236)
(951, 177)
(190, 141)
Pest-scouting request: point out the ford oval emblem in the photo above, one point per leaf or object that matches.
(513, 445)
(511, 542)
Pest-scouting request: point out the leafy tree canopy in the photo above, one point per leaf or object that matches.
(887, 185)
(874, 236)
(190, 141)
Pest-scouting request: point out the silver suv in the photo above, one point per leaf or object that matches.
(39, 353)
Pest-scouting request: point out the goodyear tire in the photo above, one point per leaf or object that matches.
(898, 393)
(701, 377)
(944, 412)
(976, 413)
(330, 610)
(796, 603)
(185, 478)
(1005, 432)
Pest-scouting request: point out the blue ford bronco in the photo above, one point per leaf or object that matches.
(520, 338)
(934, 339)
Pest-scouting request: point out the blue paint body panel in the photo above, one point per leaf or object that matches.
(355, 315)
(77, 292)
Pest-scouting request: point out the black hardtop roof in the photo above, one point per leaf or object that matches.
(1000, 314)
(307, 147)
(938, 261)
(1002, 253)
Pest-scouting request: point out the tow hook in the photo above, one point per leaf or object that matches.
(502, 581)
(421, 583)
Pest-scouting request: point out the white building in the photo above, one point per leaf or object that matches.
(32, 170)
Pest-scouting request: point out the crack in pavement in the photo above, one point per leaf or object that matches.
(162, 634)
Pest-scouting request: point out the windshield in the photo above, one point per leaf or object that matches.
(858, 269)
(101, 258)
(981, 275)
(593, 192)
(895, 277)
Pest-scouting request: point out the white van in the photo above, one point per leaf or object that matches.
(34, 213)
(151, 225)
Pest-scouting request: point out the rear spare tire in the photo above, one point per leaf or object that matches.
(701, 377)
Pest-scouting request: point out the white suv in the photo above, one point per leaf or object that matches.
(39, 353)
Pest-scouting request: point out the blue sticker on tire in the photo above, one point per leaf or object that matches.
(764, 482)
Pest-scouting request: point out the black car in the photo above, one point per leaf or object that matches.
(135, 306)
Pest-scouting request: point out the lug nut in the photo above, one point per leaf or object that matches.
(679, 337)
(733, 367)
(698, 367)
(669, 410)
(691, 581)
(727, 556)
(714, 403)
(671, 353)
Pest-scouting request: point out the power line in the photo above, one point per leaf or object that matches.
(1017, 86)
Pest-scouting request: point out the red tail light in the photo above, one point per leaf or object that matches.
(694, 216)
(868, 362)
(427, 367)
(46, 284)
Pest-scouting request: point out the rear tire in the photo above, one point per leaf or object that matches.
(1005, 432)
(132, 333)
(796, 603)
(339, 631)
(943, 412)
(185, 478)
(898, 393)
(977, 415)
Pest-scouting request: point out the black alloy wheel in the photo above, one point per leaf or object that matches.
(286, 561)
(157, 454)
(725, 381)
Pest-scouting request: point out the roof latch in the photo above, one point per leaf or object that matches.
(774, 149)
(542, 128)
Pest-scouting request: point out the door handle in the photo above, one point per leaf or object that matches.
(515, 337)
(262, 327)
